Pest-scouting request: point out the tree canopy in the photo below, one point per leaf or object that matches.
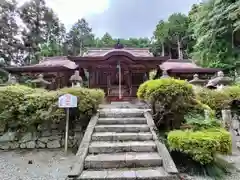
(210, 34)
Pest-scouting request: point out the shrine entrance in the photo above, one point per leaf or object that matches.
(119, 79)
(119, 72)
(119, 82)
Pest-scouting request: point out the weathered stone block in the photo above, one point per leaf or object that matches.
(53, 144)
(54, 126)
(29, 136)
(2, 127)
(5, 146)
(56, 133)
(8, 136)
(30, 144)
(46, 133)
(40, 144)
(43, 139)
(23, 146)
(14, 145)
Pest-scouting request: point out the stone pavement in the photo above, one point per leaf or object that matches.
(122, 144)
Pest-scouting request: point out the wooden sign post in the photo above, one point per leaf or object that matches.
(67, 101)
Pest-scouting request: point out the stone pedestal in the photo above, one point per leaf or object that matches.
(227, 124)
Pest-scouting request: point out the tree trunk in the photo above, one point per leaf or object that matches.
(180, 54)
(163, 50)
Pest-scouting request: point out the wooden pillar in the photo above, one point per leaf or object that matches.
(130, 82)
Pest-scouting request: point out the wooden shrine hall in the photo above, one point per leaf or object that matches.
(118, 71)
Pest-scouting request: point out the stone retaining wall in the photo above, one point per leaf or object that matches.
(44, 136)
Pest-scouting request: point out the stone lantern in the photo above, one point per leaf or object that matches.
(11, 79)
(219, 82)
(76, 79)
(197, 81)
(40, 82)
(164, 74)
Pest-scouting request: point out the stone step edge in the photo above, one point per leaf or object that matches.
(122, 136)
(122, 125)
(121, 143)
(122, 128)
(123, 156)
(123, 118)
(136, 173)
(121, 121)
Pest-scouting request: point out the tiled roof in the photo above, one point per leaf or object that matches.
(137, 52)
(185, 65)
(178, 64)
(58, 61)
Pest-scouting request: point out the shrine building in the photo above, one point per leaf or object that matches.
(118, 71)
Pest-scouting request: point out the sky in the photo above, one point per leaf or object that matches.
(120, 18)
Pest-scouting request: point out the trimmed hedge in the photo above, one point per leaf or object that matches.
(22, 107)
(174, 97)
(200, 145)
(218, 99)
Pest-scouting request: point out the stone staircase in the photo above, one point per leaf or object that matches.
(122, 145)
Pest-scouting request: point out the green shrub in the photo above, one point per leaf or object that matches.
(198, 122)
(142, 90)
(170, 99)
(40, 107)
(215, 99)
(25, 107)
(233, 92)
(11, 98)
(172, 92)
(88, 99)
(200, 145)
(218, 99)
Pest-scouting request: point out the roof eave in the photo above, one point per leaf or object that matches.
(36, 69)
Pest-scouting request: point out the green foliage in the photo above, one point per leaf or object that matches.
(88, 99)
(218, 100)
(152, 74)
(209, 34)
(213, 25)
(200, 145)
(198, 122)
(173, 97)
(171, 92)
(171, 33)
(25, 107)
(142, 90)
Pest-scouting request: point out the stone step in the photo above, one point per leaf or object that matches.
(132, 120)
(122, 128)
(156, 173)
(122, 160)
(121, 113)
(114, 136)
(127, 146)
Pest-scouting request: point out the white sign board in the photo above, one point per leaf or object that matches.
(67, 101)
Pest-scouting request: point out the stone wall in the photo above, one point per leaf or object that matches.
(43, 136)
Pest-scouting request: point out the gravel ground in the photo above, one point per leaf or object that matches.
(48, 165)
